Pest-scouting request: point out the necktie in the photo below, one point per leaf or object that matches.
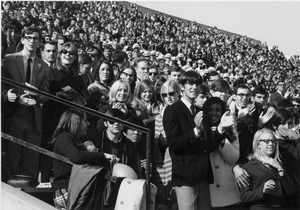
(28, 72)
(193, 109)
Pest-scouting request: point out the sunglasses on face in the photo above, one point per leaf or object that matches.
(153, 73)
(268, 141)
(66, 52)
(168, 94)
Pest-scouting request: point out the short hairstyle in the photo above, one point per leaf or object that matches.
(175, 68)
(114, 89)
(119, 56)
(260, 90)
(153, 66)
(204, 90)
(220, 85)
(140, 59)
(31, 30)
(133, 120)
(280, 116)
(190, 77)
(165, 87)
(241, 86)
(212, 73)
(42, 47)
(115, 113)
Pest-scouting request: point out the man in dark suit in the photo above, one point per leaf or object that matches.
(191, 169)
(25, 119)
(278, 94)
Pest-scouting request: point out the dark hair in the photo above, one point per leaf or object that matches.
(110, 69)
(175, 68)
(3, 44)
(14, 24)
(133, 84)
(84, 59)
(133, 120)
(206, 106)
(117, 113)
(212, 73)
(241, 86)
(220, 85)
(119, 56)
(69, 122)
(31, 30)
(260, 90)
(279, 117)
(190, 77)
(204, 90)
(42, 47)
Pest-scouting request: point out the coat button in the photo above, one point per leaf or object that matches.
(218, 185)
(128, 182)
(216, 167)
(122, 202)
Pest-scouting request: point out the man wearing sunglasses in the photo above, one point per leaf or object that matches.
(25, 119)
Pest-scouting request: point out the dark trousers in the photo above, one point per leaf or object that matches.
(20, 160)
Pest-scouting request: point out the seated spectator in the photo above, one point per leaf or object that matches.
(72, 125)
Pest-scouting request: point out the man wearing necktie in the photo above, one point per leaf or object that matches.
(25, 119)
(189, 151)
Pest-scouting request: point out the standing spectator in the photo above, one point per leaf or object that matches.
(13, 34)
(191, 170)
(141, 68)
(175, 73)
(85, 65)
(104, 75)
(224, 191)
(270, 185)
(49, 52)
(26, 120)
(128, 74)
(278, 95)
(153, 74)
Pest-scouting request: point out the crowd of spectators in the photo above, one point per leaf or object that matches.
(126, 62)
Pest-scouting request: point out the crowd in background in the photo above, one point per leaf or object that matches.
(133, 65)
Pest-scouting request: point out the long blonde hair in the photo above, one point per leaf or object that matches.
(257, 152)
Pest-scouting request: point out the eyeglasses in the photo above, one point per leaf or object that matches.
(153, 73)
(168, 94)
(66, 52)
(111, 122)
(29, 38)
(243, 95)
(267, 141)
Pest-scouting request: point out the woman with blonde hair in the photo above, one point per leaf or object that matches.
(120, 97)
(269, 185)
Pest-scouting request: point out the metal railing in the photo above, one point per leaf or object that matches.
(89, 111)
